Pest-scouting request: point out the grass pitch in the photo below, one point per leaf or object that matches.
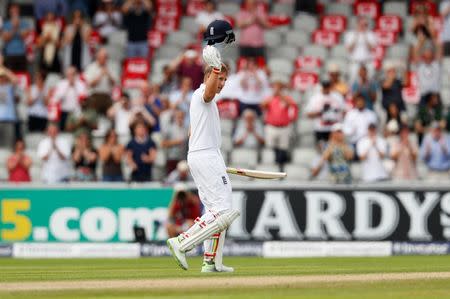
(392, 277)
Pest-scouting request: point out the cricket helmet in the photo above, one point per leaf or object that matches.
(218, 32)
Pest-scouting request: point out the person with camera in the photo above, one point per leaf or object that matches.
(183, 210)
(326, 108)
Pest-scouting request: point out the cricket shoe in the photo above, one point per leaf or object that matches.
(180, 257)
(211, 267)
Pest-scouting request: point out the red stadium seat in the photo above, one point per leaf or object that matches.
(370, 9)
(386, 38)
(228, 109)
(136, 68)
(155, 38)
(336, 23)
(169, 9)
(304, 80)
(412, 80)
(308, 63)
(193, 7)
(24, 80)
(279, 20)
(325, 38)
(389, 23)
(411, 95)
(166, 24)
(131, 82)
(95, 41)
(378, 52)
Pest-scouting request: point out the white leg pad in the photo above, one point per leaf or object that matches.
(220, 223)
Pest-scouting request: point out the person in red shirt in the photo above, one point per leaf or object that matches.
(19, 164)
(183, 210)
(280, 111)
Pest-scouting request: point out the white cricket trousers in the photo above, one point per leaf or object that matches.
(209, 172)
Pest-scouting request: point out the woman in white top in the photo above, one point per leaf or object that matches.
(107, 20)
(37, 100)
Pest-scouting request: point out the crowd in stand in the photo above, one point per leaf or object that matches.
(359, 114)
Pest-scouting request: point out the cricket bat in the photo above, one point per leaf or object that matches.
(257, 174)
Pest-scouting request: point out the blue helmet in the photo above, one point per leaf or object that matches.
(219, 32)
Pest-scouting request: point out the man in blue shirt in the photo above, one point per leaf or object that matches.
(141, 153)
(435, 151)
(14, 33)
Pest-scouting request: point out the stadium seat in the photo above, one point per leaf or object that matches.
(168, 52)
(179, 38)
(308, 63)
(160, 158)
(227, 142)
(391, 23)
(287, 52)
(297, 173)
(297, 38)
(282, 9)
(369, 9)
(304, 156)
(272, 38)
(35, 173)
(315, 50)
(339, 51)
(267, 156)
(338, 9)
(325, 38)
(280, 65)
(305, 23)
(226, 126)
(355, 169)
(228, 8)
(306, 125)
(398, 51)
(241, 157)
(116, 52)
(32, 140)
(119, 37)
(189, 24)
(304, 80)
(335, 23)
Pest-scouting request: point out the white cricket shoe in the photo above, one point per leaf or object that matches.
(180, 257)
(208, 268)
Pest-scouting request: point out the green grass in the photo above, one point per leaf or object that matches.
(13, 270)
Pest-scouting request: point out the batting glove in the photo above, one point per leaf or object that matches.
(211, 56)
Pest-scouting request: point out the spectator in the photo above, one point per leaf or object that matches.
(8, 114)
(179, 175)
(84, 157)
(365, 87)
(141, 153)
(422, 19)
(249, 132)
(423, 39)
(75, 43)
(430, 112)
(428, 70)
(280, 111)
(434, 151)
(404, 153)
(84, 120)
(209, 14)
(137, 21)
(13, 33)
(48, 42)
(19, 164)
(360, 43)
(68, 93)
(357, 120)
(445, 35)
(169, 82)
(188, 65)
(183, 210)
(110, 155)
(120, 113)
(253, 86)
(54, 151)
(395, 119)
(37, 101)
(175, 141)
(337, 155)
(326, 107)
(152, 102)
(372, 149)
(337, 84)
(57, 7)
(181, 98)
(107, 19)
(391, 88)
(101, 77)
(252, 22)
(139, 112)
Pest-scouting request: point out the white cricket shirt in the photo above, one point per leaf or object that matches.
(205, 122)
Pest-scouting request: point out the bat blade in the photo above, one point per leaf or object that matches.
(257, 174)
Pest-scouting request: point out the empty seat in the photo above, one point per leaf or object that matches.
(189, 24)
(397, 8)
(297, 173)
(267, 156)
(398, 51)
(119, 37)
(241, 157)
(228, 8)
(305, 23)
(179, 38)
(281, 66)
(297, 38)
(304, 156)
(355, 169)
(226, 126)
(168, 52)
(32, 140)
(307, 140)
(315, 50)
(272, 38)
(339, 51)
(305, 126)
(338, 9)
(283, 8)
(287, 52)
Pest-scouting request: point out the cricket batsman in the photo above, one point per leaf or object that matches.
(206, 162)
